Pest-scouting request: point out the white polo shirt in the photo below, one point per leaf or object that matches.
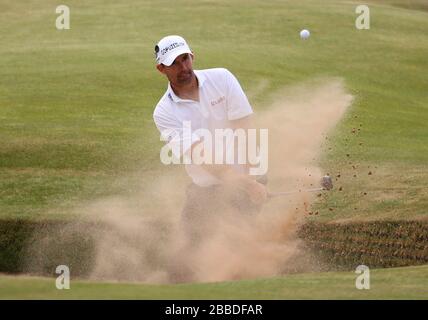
(221, 99)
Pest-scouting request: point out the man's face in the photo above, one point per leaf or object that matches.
(180, 72)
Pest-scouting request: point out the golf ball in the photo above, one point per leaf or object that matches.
(304, 34)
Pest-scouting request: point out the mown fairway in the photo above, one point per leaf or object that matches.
(399, 283)
(76, 116)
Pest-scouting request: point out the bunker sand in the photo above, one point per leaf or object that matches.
(137, 237)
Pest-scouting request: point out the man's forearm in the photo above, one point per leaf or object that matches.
(224, 172)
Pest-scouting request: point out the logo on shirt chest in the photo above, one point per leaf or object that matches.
(219, 100)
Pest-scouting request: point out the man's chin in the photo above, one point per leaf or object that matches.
(184, 80)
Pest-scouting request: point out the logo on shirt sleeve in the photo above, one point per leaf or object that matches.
(219, 100)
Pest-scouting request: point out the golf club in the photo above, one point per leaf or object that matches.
(326, 184)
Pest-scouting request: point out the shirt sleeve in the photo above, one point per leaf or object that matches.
(174, 133)
(237, 102)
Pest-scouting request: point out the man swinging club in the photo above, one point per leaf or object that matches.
(208, 99)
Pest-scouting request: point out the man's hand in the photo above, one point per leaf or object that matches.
(255, 190)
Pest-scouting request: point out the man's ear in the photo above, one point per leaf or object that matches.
(161, 68)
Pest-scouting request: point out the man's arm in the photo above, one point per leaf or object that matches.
(228, 175)
(224, 171)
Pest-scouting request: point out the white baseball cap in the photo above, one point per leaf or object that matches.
(169, 48)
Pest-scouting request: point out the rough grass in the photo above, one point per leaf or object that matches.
(39, 246)
(376, 244)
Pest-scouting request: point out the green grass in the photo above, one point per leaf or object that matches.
(76, 105)
(397, 283)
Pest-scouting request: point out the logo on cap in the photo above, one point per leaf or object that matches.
(169, 47)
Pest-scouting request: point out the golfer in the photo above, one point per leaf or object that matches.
(209, 99)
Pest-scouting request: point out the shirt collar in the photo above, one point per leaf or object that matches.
(201, 79)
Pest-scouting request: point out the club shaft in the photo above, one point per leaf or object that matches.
(277, 194)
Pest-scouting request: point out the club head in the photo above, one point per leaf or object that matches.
(327, 182)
